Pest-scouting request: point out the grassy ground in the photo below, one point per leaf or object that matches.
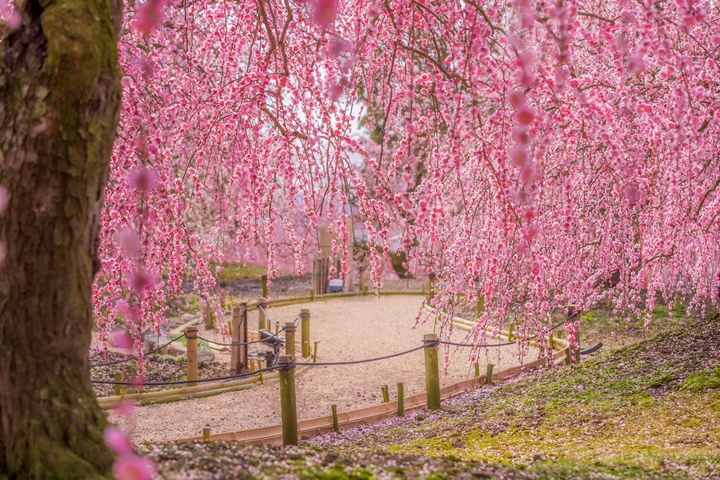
(650, 410)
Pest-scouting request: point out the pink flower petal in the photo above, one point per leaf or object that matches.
(116, 440)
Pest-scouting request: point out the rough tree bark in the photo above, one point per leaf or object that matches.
(59, 103)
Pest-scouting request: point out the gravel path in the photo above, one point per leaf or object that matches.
(347, 329)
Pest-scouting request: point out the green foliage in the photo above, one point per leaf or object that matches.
(703, 380)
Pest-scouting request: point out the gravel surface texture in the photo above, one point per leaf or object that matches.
(347, 329)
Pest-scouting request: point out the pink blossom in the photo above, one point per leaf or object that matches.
(148, 15)
(525, 115)
(125, 408)
(632, 193)
(516, 98)
(116, 440)
(121, 339)
(133, 467)
(144, 179)
(142, 280)
(325, 12)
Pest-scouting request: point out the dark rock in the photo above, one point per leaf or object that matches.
(206, 356)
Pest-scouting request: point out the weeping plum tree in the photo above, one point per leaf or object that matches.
(59, 103)
(530, 152)
(527, 151)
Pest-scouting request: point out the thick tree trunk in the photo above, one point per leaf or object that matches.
(59, 103)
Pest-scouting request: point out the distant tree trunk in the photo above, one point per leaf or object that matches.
(59, 103)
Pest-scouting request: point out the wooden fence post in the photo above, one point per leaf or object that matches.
(119, 378)
(209, 317)
(336, 427)
(239, 353)
(290, 338)
(432, 373)
(489, 374)
(262, 317)
(575, 350)
(315, 351)
(480, 306)
(264, 281)
(385, 394)
(288, 407)
(305, 332)
(401, 399)
(269, 359)
(512, 330)
(192, 363)
(477, 369)
(361, 279)
(206, 433)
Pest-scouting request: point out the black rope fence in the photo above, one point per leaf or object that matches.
(281, 366)
(117, 362)
(238, 376)
(489, 345)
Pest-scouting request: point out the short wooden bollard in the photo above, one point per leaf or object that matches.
(290, 338)
(512, 330)
(489, 374)
(206, 433)
(305, 332)
(575, 350)
(269, 359)
(312, 295)
(192, 363)
(480, 306)
(264, 281)
(238, 332)
(477, 369)
(361, 279)
(119, 389)
(260, 375)
(315, 352)
(288, 409)
(432, 372)
(385, 393)
(209, 317)
(262, 316)
(551, 341)
(336, 427)
(401, 399)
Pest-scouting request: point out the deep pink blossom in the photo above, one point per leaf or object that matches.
(133, 467)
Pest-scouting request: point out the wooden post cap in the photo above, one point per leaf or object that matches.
(290, 327)
(191, 332)
(286, 358)
(430, 337)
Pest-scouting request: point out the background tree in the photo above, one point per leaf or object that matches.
(59, 103)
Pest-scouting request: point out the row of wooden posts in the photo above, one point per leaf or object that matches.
(239, 362)
(288, 399)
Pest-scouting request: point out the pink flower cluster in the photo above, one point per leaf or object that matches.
(537, 154)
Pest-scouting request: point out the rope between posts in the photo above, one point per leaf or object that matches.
(495, 344)
(428, 344)
(277, 324)
(199, 380)
(117, 362)
(238, 344)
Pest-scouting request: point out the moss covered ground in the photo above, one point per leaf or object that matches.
(649, 410)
